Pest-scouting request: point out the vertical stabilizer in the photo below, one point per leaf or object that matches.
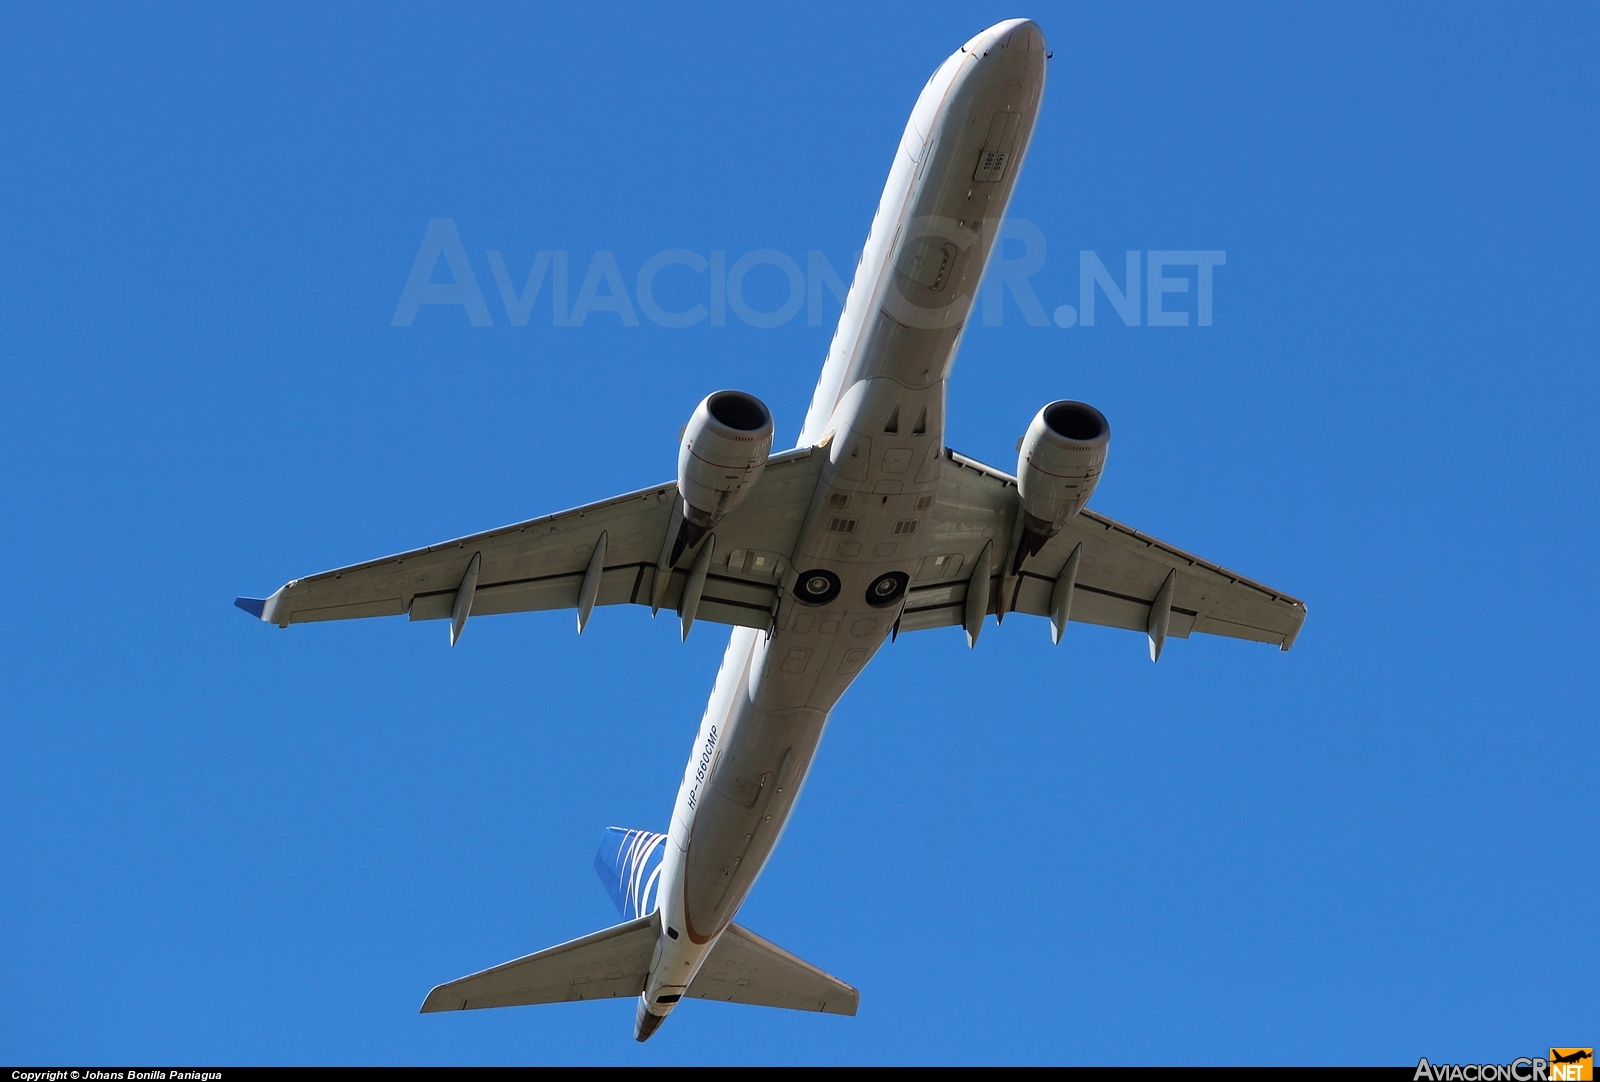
(629, 864)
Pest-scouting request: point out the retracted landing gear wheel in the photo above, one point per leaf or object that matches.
(887, 589)
(817, 587)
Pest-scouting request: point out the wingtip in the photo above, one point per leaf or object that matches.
(255, 606)
(1294, 632)
(435, 1002)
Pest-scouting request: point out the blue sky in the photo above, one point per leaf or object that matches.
(225, 843)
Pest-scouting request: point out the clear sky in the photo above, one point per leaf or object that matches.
(225, 843)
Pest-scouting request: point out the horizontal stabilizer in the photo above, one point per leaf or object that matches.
(605, 965)
(744, 968)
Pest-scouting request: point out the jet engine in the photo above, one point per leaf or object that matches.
(1058, 465)
(725, 448)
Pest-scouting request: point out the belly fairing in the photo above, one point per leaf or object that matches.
(743, 811)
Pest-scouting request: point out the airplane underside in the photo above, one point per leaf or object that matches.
(869, 528)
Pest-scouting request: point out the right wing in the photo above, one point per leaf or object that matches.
(1121, 571)
(540, 564)
(744, 968)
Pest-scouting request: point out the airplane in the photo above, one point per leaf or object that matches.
(870, 527)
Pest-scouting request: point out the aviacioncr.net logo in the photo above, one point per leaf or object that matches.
(1564, 1065)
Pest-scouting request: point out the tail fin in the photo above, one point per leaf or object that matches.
(629, 864)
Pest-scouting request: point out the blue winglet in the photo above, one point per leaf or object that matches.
(255, 606)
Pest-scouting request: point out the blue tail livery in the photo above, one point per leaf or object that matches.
(629, 864)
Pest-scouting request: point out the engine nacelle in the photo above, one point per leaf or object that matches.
(1058, 466)
(725, 448)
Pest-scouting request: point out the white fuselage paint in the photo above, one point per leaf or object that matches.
(878, 413)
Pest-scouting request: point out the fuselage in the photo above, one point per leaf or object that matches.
(878, 414)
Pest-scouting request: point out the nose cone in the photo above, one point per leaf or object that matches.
(1023, 35)
(1018, 35)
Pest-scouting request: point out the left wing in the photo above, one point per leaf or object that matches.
(542, 563)
(1121, 576)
